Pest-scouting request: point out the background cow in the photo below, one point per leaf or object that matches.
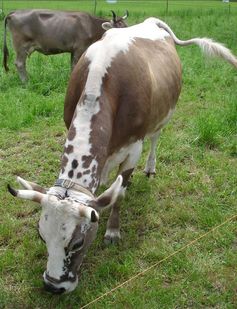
(53, 32)
(124, 88)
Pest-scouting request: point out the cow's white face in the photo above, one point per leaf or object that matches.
(67, 233)
(67, 225)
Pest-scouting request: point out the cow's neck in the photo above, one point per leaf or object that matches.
(86, 147)
(98, 30)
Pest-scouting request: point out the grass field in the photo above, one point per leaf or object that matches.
(193, 191)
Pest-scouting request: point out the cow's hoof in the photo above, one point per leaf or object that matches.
(112, 237)
(149, 174)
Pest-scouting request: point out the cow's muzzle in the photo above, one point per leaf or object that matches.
(56, 286)
(52, 289)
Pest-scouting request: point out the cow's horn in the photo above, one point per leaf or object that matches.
(114, 15)
(126, 15)
(11, 190)
(27, 194)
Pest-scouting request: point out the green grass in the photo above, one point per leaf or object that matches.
(193, 191)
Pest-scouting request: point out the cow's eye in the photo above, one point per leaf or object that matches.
(78, 244)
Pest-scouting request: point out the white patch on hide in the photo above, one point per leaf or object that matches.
(81, 142)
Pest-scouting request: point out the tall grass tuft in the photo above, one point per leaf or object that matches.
(208, 127)
(212, 125)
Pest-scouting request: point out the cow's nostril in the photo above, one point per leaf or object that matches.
(52, 289)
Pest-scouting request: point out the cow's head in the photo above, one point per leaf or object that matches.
(68, 225)
(116, 22)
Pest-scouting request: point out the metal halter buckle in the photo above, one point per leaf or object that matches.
(67, 184)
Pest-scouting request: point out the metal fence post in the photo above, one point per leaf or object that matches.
(167, 7)
(1, 11)
(95, 5)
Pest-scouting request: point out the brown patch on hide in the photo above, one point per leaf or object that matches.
(68, 149)
(92, 183)
(79, 175)
(71, 133)
(64, 162)
(86, 161)
(70, 174)
(142, 92)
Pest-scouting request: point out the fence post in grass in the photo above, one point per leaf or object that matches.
(95, 5)
(1, 11)
(167, 7)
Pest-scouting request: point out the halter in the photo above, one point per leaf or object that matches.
(69, 184)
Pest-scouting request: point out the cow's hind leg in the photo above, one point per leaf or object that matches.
(150, 168)
(21, 64)
(112, 234)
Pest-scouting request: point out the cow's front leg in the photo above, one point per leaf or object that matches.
(112, 234)
(126, 168)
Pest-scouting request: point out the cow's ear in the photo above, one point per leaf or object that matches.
(110, 196)
(107, 25)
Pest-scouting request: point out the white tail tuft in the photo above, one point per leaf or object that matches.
(208, 46)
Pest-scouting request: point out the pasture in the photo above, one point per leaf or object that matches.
(194, 189)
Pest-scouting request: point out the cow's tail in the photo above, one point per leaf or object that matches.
(5, 49)
(208, 46)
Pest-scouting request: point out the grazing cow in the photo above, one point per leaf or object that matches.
(124, 88)
(53, 32)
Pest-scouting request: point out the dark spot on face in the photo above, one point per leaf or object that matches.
(64, 162)
(86, 161)
(85, 181)
(70, 174)
(71, 133)
(79, 175)
(46, 217)
(68, 149)
(74, 164)
(86, 172)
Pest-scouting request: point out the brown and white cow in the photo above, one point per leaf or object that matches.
(122, 90)
(53, 32)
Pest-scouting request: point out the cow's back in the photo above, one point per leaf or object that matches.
(50, 31)
(145, 86)
(142, 82)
